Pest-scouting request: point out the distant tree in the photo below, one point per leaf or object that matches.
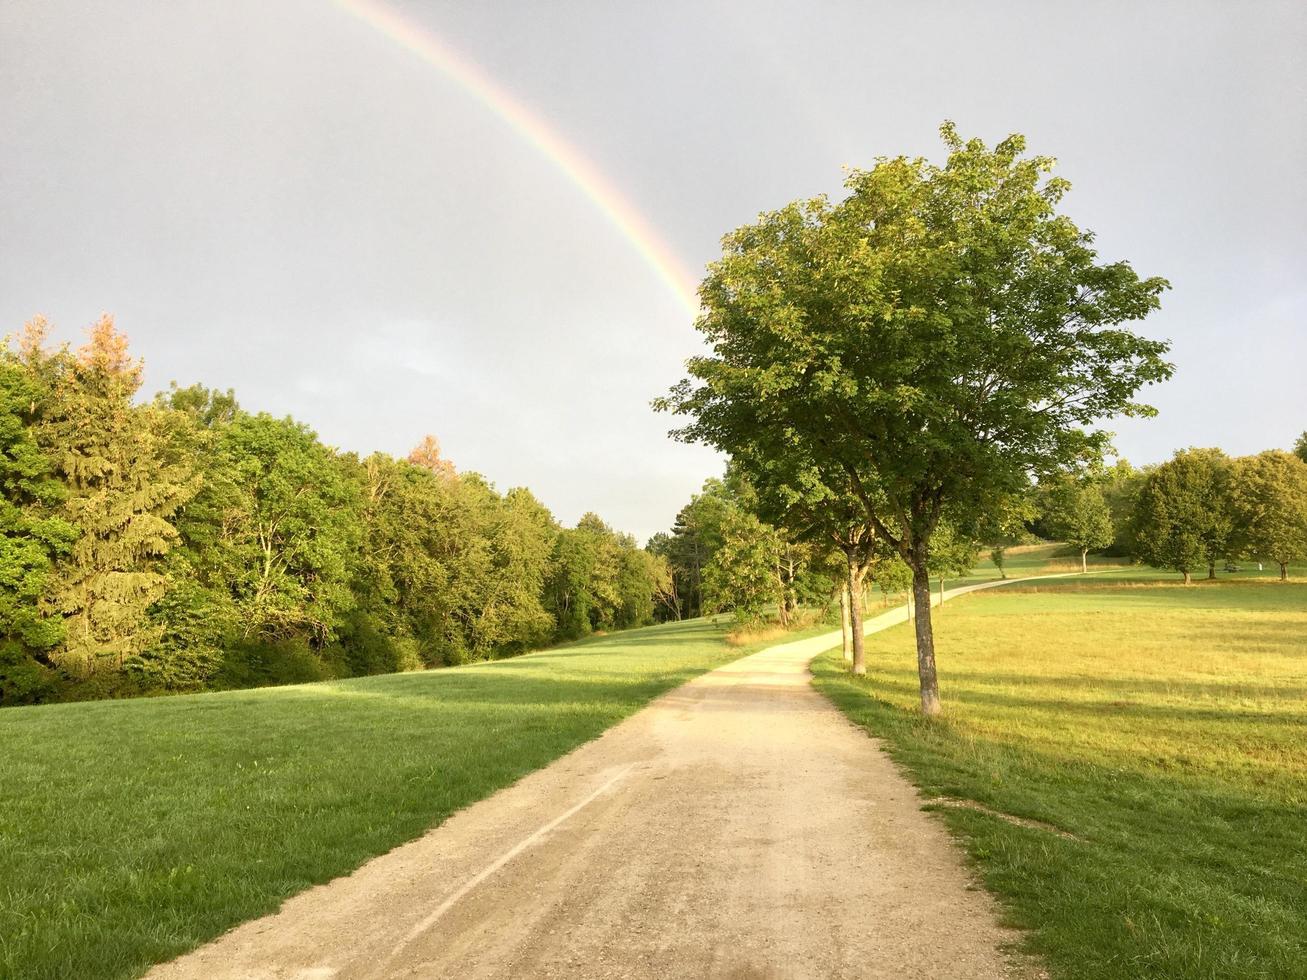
(741, 577)
(637, 582)
(1270, 507)
(998, 556)
(931, 340)
(291, 529)
(427, 455)
(1076, 512)
(953, 554)
(1006, 527)
(512, 617)
(207, 407)
(666, 598)
(1300, 447)
(402, 577)
(1122, 484)
(694, 539)
(1183, 517)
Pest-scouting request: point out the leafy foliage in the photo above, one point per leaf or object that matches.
(924, 345)
(1269, 502)
(1183, 519)
(1076, 512)
(186, 543)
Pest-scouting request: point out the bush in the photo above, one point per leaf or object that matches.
(254, 663)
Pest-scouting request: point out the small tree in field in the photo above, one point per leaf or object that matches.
(1183, 516)
(928, 343)
(1270, 507)
(1077, 513)
(1007, 527)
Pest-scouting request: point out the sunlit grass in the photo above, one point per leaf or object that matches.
(1163, 726)
(131, 831)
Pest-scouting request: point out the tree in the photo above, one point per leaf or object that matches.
(1076, 512)
(930, 341)
(666, 598)
(426, 454)
(1007, 527)
(1300, 447)
(127, 475)
(32, 538)
(1183, 516)
(1121, 487)
(741, 577)
(1270, 507)
(291, 528)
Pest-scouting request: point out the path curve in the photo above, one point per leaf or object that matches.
(739, 826)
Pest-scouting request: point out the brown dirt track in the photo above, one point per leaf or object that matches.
(737, 827)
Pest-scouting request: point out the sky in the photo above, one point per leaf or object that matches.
(279, 197)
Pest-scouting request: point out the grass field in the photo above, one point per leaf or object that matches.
(1160, 732)
(131, 831)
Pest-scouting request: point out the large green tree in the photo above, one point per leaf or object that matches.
(1269, 497)
(126, 473)
(1183, 517)
(290, 528)
(931, 341)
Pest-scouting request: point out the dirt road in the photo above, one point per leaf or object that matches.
(737, 827)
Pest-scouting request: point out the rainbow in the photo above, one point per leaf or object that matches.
(538, 133)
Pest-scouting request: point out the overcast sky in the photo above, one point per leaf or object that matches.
(273, 196)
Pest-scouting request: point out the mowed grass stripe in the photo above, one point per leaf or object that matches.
(132, 831)
(1162, 726)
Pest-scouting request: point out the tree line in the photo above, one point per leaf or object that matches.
(1201, 510)
(183, 543)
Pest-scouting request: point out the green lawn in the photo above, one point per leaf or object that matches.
(131, 831)
(1164, 727)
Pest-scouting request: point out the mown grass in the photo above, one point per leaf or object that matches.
(132, 831)
(1164, 727)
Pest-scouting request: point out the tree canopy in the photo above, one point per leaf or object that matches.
(925, 345)
(185, 543)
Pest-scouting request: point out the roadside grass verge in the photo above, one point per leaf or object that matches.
(1163, 728)
(133, 831)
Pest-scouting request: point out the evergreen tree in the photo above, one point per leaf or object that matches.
(126, 477)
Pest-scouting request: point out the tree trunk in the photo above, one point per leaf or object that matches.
(1187, 577)
(925, 638)
(845, 627)
(855, 617)
(1284, 571)
(1084, 561)
(1211, 569)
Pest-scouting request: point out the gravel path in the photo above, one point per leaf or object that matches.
(738, 827)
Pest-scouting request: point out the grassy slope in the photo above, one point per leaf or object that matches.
(131, 831)
(1165, 727)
